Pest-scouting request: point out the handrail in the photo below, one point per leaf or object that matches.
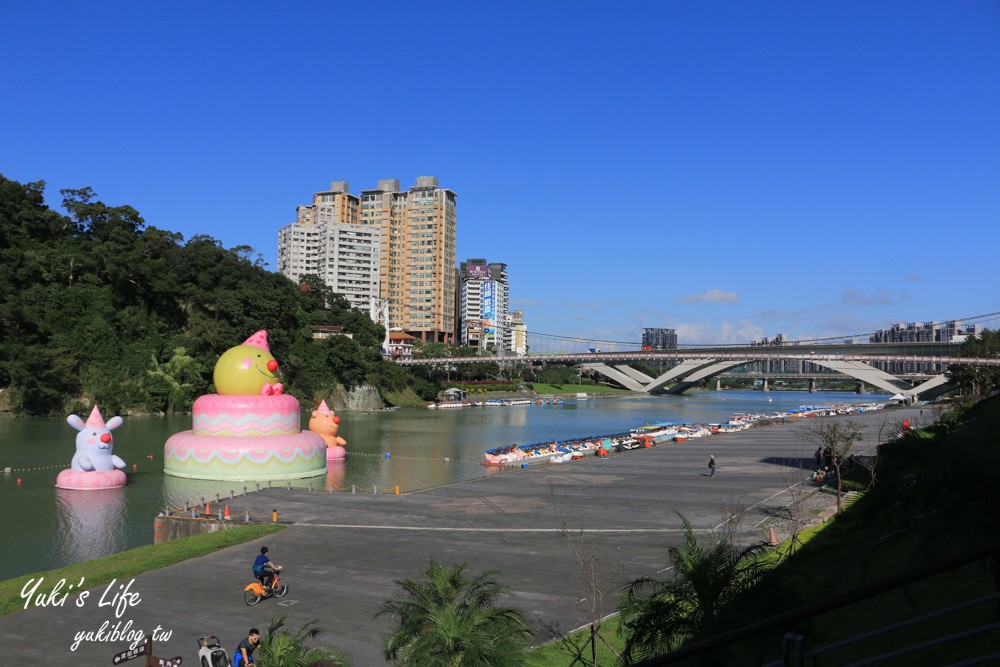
(782, 621)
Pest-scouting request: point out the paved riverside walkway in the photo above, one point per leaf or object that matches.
(343, 552)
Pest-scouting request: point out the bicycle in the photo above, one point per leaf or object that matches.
(255, 592)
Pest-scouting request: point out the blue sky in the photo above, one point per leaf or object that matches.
(729, 169)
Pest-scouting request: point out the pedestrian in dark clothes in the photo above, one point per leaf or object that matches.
(711, 465)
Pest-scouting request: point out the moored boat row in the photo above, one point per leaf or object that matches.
(493, 402)
(650, 435)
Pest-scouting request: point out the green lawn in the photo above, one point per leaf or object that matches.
(129, 563)
(559, 653)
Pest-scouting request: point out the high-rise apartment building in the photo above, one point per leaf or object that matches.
(483, 305)
(659, 339)
(517, 336)
(326, 241)
(414, 256)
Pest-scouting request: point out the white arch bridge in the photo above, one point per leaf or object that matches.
(867, 363)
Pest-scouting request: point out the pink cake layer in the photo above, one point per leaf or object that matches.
(218, 415)
(271, 457)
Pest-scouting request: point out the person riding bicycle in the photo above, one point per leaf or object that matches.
(264, 569)
(243, 655)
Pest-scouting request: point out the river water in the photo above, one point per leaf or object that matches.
(43, 527)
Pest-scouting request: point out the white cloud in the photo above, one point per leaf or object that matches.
(710, 295)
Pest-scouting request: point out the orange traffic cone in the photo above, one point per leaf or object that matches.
(772, 540)
(225, 514)
(208, 510)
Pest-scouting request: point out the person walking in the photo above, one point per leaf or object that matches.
(711, 465)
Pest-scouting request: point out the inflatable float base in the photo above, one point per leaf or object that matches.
(92, 480)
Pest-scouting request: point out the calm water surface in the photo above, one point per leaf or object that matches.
(43, 527)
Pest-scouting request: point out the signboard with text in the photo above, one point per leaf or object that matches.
(487, 295)
(478, 272)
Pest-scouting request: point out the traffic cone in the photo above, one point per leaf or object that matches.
(208, 509)
(772, 539)
(225, 514)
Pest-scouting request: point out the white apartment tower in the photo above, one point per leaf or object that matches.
(411, 236)
(483, 304)
(326, 241)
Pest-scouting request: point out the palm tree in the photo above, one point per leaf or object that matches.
(444, 619)
(281, 647)
(658, 615)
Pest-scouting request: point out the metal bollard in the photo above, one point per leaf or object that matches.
(166, 512)
(310, 486)
(257, 484)
(269, 484)
(217, 497)
(244, 490)
(246, 518)
(231, 494)
(374, 490)
(194, 514)
(220, 516)
(354, 489)
(331, 488)
(288, 487)
(186, 508)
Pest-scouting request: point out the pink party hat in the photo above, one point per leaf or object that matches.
(259, 339)
(95, 418)
(323, 408)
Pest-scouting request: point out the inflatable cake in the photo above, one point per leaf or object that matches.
(250, 429)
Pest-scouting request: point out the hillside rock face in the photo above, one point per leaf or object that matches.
(365, 397)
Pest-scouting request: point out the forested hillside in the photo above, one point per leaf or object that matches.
(96, 306)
